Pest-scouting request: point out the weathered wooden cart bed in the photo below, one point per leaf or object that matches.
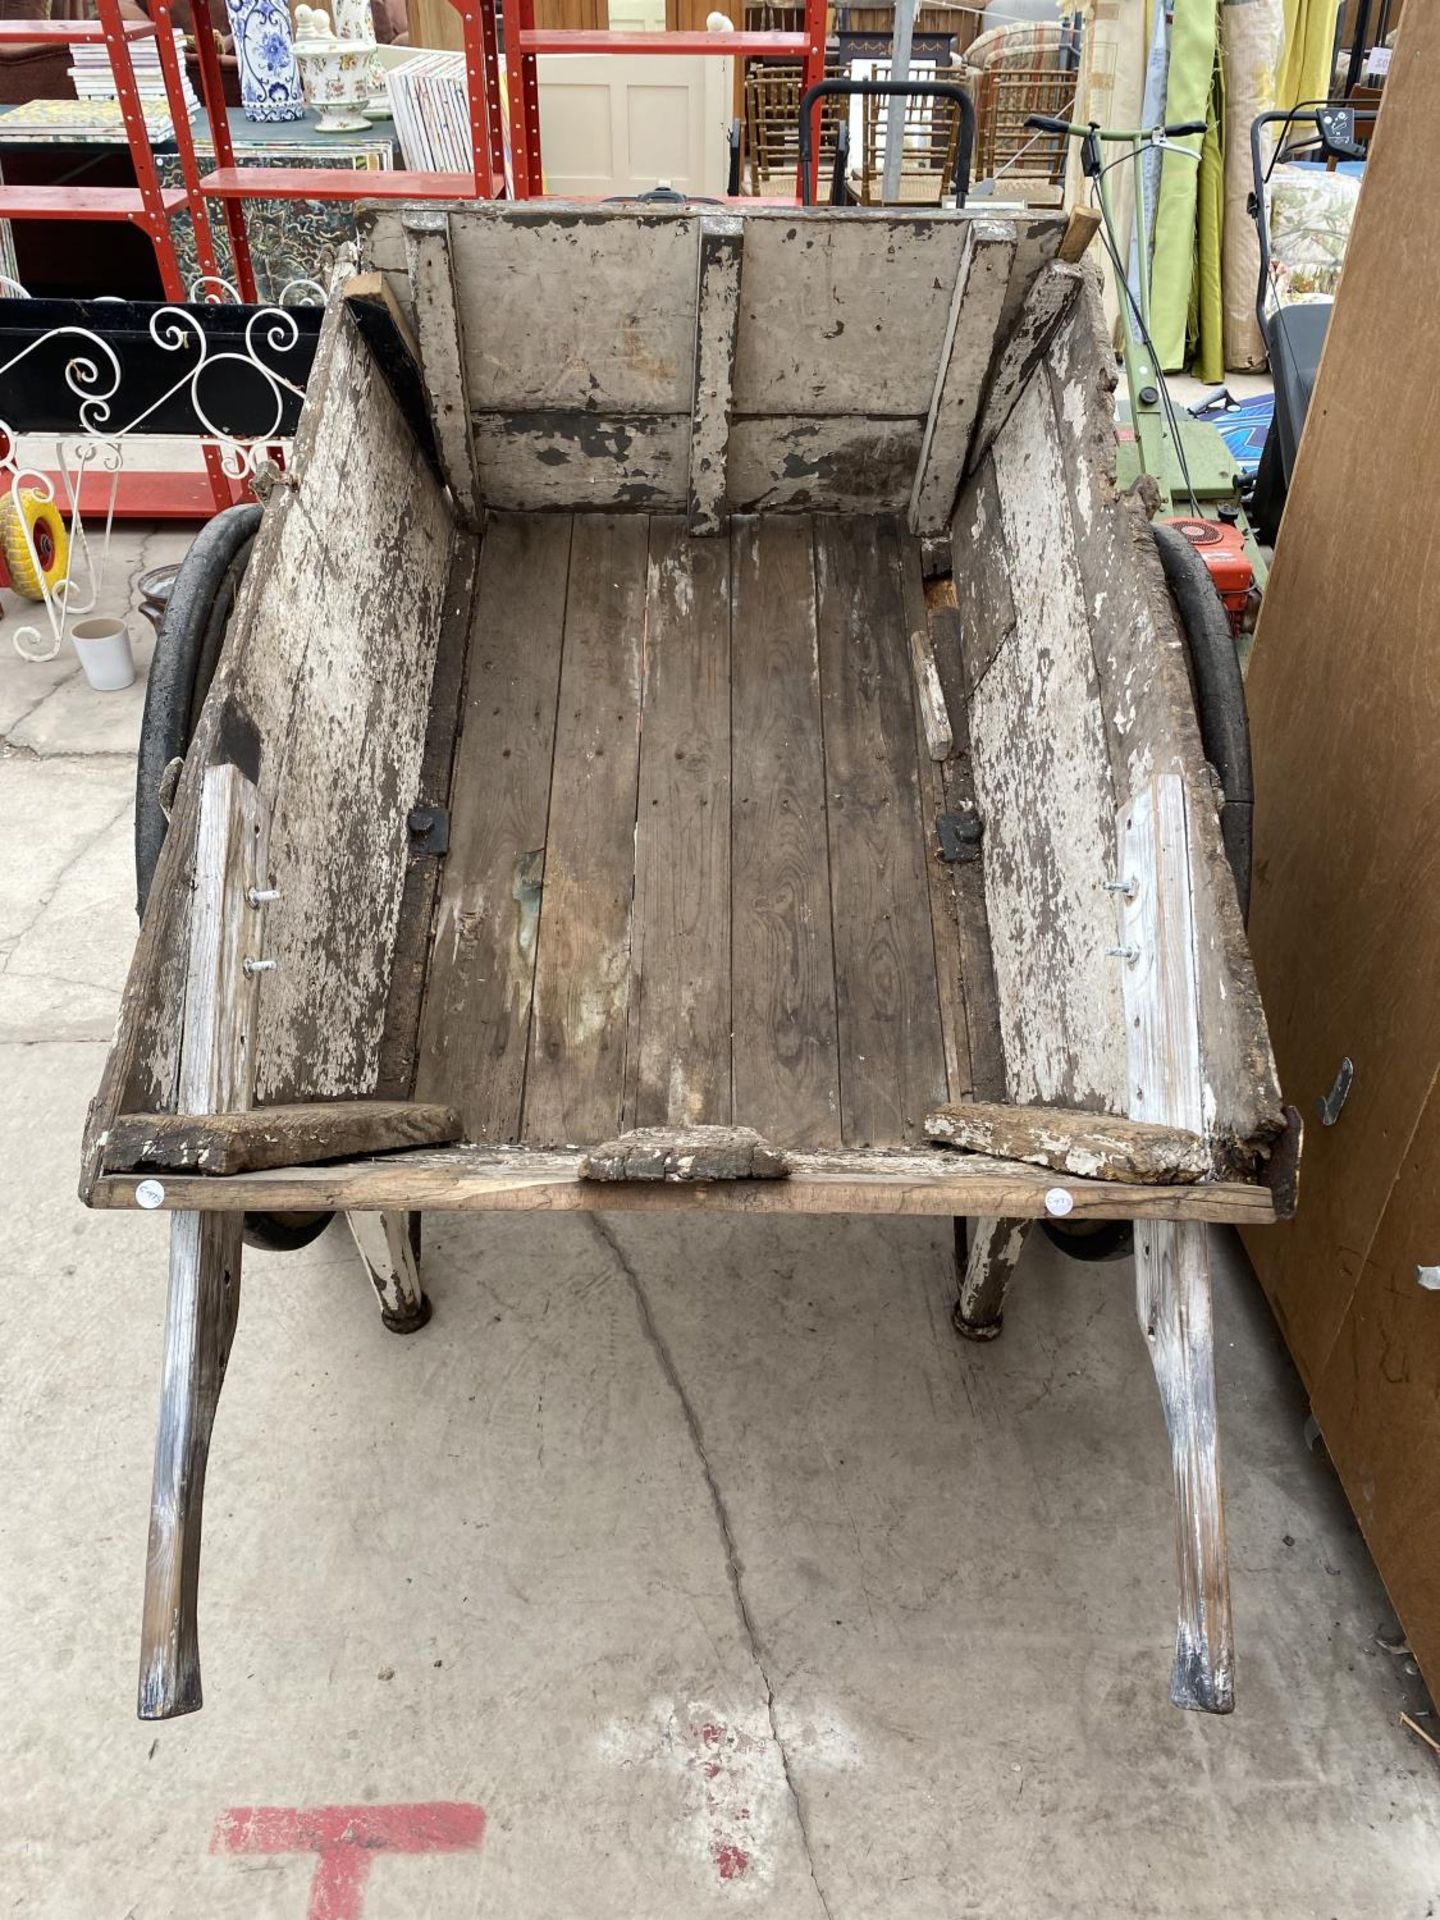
(697, 673)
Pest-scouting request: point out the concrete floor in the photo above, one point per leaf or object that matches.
(703, 1559)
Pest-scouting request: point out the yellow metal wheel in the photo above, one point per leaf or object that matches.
(29, 576)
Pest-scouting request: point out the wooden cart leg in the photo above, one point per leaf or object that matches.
(985, 1270)
(199, 1327)
(1172, 1297)
(389, 1244)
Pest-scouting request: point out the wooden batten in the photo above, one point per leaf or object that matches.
(245, 1141)
(980, 289)
(717, 314)
(1044, 789)
(227, 943)
(217, 1067)
(1046, 305)
(442, 356)
(1172, 1270)
(1087, 1144)
(923, 1182)
(388, 331)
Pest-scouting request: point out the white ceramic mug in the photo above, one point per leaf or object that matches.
(103, 644)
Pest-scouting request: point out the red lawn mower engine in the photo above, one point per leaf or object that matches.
(1221, 545)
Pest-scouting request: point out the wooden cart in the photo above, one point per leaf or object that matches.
(697, 674)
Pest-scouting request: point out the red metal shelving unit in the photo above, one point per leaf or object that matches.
(231, 185)
(524, 42)
(147, 204)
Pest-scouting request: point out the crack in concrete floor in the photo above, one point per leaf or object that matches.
(666, 1361)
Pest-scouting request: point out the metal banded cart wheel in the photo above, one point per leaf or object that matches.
(187, 650)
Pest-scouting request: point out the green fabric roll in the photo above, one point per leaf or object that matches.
(1209, 351)
(1193, 37)
(1308, 50)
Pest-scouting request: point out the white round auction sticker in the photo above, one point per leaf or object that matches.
(1059, 1202)
(150, 1194)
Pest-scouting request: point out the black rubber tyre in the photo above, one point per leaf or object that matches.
(1094, 1240)
(1267, 495)
(187, 648)
(187, 651)
(1219, 696)
(284, 1232)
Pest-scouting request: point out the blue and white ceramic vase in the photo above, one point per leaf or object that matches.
(269, 77)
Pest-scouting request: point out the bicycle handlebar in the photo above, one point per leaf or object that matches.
(924, 89)
(1043, 123)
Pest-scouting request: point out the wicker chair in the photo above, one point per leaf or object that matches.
(773, 90)
(1005, 97)
(931, 137)
(1012, 71)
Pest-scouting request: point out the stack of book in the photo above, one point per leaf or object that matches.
(431, 108)
(94, 83)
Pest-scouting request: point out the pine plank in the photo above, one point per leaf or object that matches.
(892, 1058)
(679, 1065)
(246, 1139)
(786, 1075)
(575, 1080)
(952, 984)
(400, 1042)
(476, 1019)
(967, 879)
(846, 1180)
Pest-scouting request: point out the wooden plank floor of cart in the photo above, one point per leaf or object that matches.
(694, 873)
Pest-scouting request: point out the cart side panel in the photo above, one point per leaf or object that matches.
(585, 330)
(1044, 787)
(349, 622)
(1080, 693)
(1151, 724)
(140, 1069)
(334, 632)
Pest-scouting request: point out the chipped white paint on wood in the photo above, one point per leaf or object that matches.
(1172, 1284)
(965, 357)
(1042, 781)
(1040, 241)
(472, 1179)
(935, 717)
(552, 459)
(339, 661)
(717, 313)
(216, 1067)
(1045, 306)
(571, 311)
(341, 562)
(232, 857)
(844, 315)
(574, 307)
(1156, 921)
(1087, 1144)
(994, 1253)
(1172, 1269)
(1150, 724)
(143, 1063)
(386, 1245)
(841, 464)
(437, 324)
